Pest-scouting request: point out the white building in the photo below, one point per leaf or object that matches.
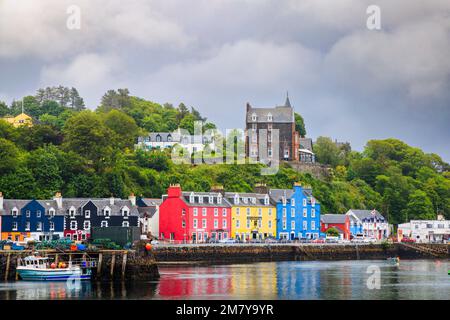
(149, 215)
(370, 223)
(425, 231)
(162, 140)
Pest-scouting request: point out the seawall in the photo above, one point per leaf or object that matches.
(112, 265)
(286, 252)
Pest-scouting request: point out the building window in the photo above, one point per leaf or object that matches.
(248, 223)
(224, 223)
(284, 212)
(305, 213)
(216, 212)
(86, 225)
(219, 199)
(195, 223)
(191, 198)
(71, 213)
(87, 213)
(211, 199)
(52, 226)
(39, 226)
(51, 212)
(195, 212)
(183, 212)
(305, 225)
(125, 224)
(27, 226)
(292, 212)
(292, 202)
(73, 225)
(237, 223)
(237, 211)
(260, 212)
(248, 211)
(270, 211)
(224, 212)
(14, 226)
(204, 223)
(104, 224)
(200, 199)
(28, 213)
(254, 117)
(304, 202)
(313, 225)
(15, 212)
(270, 224)
(313, 213)
(284, 224)
(216, 223)
(266, 200)
(38, 213)
(125, 212)
(236, 199)
(293, 225)
(269, 117)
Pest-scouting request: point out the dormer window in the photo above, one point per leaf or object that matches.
(292, 202)
(38, 213)
(87, 213)
(51, 212)
(200, 199)
(107, 212)
(253, 200)
(211, 199)
(269, 117)
(266, 200)
(304, 202)
(219, 199)
(169, 138)
(313, 202)
(28, 213)
(158, 138)
(15, 212)
(191, 198)
(125, 212)
(236, 199)
(254, 117)
(245, 200)
(283, 199)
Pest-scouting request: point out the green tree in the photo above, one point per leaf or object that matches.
(300, 125)
(326, 151)
(9, 155)
(125, 128)
(419, 207)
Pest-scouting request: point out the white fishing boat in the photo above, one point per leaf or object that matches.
(36, 268)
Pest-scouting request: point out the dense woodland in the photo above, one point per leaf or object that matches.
(85, 153)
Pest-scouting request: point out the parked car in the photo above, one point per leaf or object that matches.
(228, 240)
(331, 239)
(154, 241)
(319, 240)
(408, 239)
(359, 239)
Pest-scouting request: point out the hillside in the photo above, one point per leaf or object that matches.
(86, 153)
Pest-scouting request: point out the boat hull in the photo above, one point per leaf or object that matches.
(52, 274)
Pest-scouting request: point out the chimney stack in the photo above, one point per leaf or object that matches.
(132, 198)
(58, 199)
(111, 200)
(248, 107)
(218, 189)
(1, 200)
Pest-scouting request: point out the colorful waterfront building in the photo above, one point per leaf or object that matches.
(194, 216)
(80, 215)
(298, 212)
(369, 223)
(36, 219)
(149, 215)
(253, 216)
(340, 222)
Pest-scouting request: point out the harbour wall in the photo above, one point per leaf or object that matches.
(294, 252)
(112, 265)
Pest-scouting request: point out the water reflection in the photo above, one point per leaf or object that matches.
(269, 280)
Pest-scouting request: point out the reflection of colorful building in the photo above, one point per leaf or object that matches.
(194, 216)
(253, 216)
(298, 212)
(20, 120)
(340, 222)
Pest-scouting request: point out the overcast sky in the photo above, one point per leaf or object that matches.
(350, 83)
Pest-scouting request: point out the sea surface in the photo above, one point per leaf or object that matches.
(362, 279)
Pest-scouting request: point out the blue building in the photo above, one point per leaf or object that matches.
(298, 213)
(37, 219)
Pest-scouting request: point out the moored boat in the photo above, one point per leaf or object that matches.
(36, 268)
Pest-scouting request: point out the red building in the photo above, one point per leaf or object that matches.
(194, 216)
(341, 222)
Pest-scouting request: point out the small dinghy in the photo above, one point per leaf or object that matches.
(394, 260)
(36, 268)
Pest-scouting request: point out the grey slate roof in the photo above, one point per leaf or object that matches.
(306, 143)
(277, 194)
(9, 204)
(186, 197)
(149, 202)
(365, 214)
(259, 199)
(281, 114)
(333, 218)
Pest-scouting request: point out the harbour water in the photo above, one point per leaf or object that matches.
(412, 279)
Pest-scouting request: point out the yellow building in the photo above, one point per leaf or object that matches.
(253, 217)
(20, 120)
